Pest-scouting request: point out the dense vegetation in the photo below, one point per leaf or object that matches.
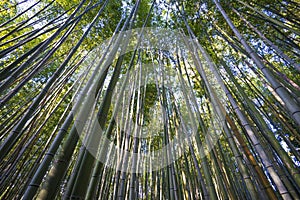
(226, 87)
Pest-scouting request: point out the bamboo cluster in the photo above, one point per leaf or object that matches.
(89, 113)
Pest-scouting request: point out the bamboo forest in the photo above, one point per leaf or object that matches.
(150, 99)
